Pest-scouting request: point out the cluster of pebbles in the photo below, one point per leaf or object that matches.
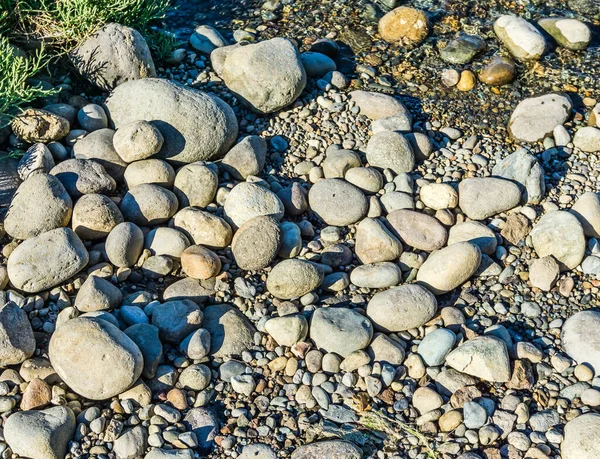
(282, 265)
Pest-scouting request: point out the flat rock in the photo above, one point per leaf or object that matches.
(390, 150)
(484, 357)
(521, 38)
(375, 105)
(580, 437)
(581, 340)
(293, 278)
(337, 202)
(536, 117)
(376, 275)
(462, 49)
(340, 330)
(483, 197)
(328, 449)
(522, 168)
(418, 230)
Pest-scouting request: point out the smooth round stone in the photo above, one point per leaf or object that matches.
(294, 198)
(418, 230)
(124, 244)
(195, 377)
(317, 64)
(137, 140)
(535, 118)
(404, 25)
(480, 198)
(475, 415)
(293, 278)
(256, 243)
(338, 162)
(203, 228)
(375, 243)
(196, 185)
(390, 150)
(463, 49)
(401, 308)
(148, 205)
(248, 200)
(522, 39)
(246, 158)
(396, 200)
(569, 33)
(257, 451)
(587, 139)
(559, 233)
(154, 171)
(287, 330)
(16, 335)
(197, 344)
(328, 449)
(436, 345)
(375, 105)
(336, 255)
(401, 122)
(198, 262)
(476, 233)
(291, 240)
(337, 202)
(175, 320)
(340, 330)
(94, 216)
(98, 145)
(450, 267)
(206, 39)
(580, 338)
(166, 241)
(376, 275)
(498, 71)
(83, 176)
(580, 437)
(92, 117)
(421, 145)
(94, 358)
(587, 211)
(426, 399)
(146, 337)
(439, 196)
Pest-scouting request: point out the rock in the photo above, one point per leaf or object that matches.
(148, 205)
(587, 139)
(17, 342)
(337, 202)
(436, 345)
(137, 140)
(124, 244)
(328, 449)
(94, 216)
(404, 25)
(145, 336)
(485, 357)
(195, 126)
(36, 160)
(97, 294)
(450, 267)
(256, 243)
(206, 39)
(386, 350)
(426, 399)
(544, 272)
(579, 439)
(375, 105)
(368, 179)
(475, 415)
(204, 425)
(418, 230)
(166, 241)
(467, 81)
(401, 122)
(536, 117)
(293, 278)
(203, 228)
(569, 33)
(585, 7)
(98, 146)
(421, 145)
(291, 240)
(559, 233)
(375, 243)
(190, 289)
(176, 319)
(439, 196)
(112, 56)
(317, 64)
(195, 377)
(376, 275)
(197, 344)
(47, 260)
(480, 198)
(401, 308)
(338, 162)
(498, 71)
(294, 198)
(92, 117)
(266, 76)
(580, 338)
(94, 358)
(587, 211)
(475, 233)
(200, 263)
(516, 228)
(132, 443)
(521, 38)
(196, 185)
(83, 176)
(246, 158)
(36, 396)
(9, 180)
(43, 434)
(41, 204)
(463, 49)
(243, 384)
(390, 150)
(158, 453)
(248, 200)
(287, 330)
(522, 168)
(340, 330)
(35, 125)
(230, 331)
(257, 451)
(153, 171)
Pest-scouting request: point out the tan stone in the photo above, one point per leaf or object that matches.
(404, 25)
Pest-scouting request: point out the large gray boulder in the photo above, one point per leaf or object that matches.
(196, 126)
(94, 358)
(112, 56)
(535, 118)
(581, 438)
(581, 338)
(266, 76)
(47, 260)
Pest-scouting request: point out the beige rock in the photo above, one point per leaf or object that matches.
(404, 25)
(200, 263)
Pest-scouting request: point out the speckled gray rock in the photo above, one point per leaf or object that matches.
(148, 205)
(97, 294)
(94, 216)
(401, 122)
(17, 342)
(196, 126)
(293, 278)
(328, 449)
(337, 202)
(536, 117)
(340, 330)
(401, 308)
(581, 340)
(155, 171)
(137, 140)
(587, 211)
(450, 267)
(418, 230)
(94, 358)
(375, 105)
(338, 162)
(203, 228)
(580, 437)
(47, 260)
(124, 244)
(83, 176)
(587, 139)
(368, 179)
(204, 424)
(287, 330)
(176, 319)
(195, 185)
(522, 39)
(248, 200)
(522, 168)
(376, 275)
(246, 158)
(166, 241)
(40, 204)
(476, 233)
(36, 160)
(317, 64)
(257, 451)
(390, 149)
(485, 357)
(483, 197)
(132, 443)
(98, 146)
(559, 233)
(230, 331)
(256, 243)
(43, 434)
(375, 243)
(266, 76)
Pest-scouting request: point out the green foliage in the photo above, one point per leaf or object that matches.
(161, 43)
